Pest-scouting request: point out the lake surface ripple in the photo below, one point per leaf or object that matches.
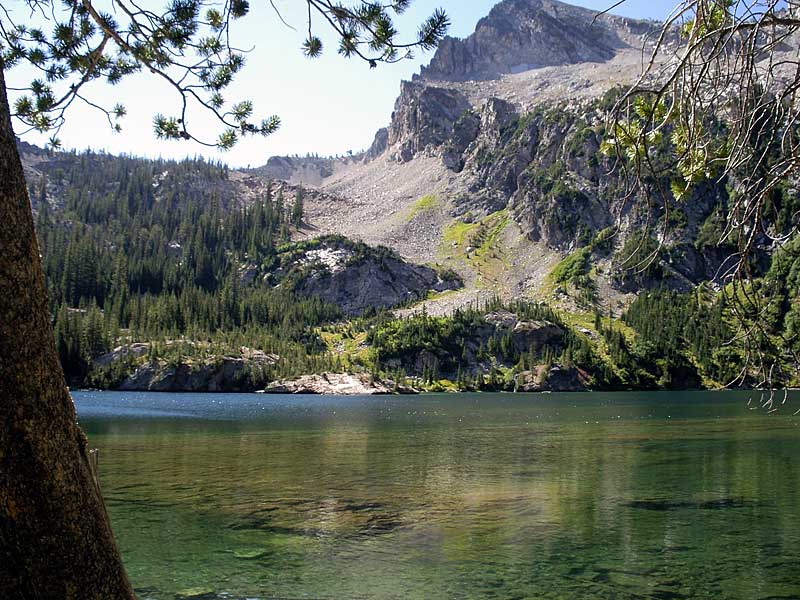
(624, 495)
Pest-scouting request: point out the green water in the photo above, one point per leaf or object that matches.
(472, 496)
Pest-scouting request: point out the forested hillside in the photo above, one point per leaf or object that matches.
(488, 238)
(159, 260)
(155, 251)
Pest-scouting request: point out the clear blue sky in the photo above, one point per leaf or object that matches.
(328, 105)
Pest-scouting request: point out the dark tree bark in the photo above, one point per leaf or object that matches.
(55, 536)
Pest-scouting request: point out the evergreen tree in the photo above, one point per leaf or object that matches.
(297, 209)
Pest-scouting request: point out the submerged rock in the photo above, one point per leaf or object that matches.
(250, 554)
(662, 505)
(196, 593)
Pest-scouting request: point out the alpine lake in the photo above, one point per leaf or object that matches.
(599, 495)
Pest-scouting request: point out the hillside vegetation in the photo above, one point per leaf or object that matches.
(486, 212)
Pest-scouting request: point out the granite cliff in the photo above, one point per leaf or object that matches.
(486, 187)
(520, 35)
(503, 129)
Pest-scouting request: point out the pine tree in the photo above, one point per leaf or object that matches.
(297, 209)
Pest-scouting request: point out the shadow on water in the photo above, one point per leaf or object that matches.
(665, 505)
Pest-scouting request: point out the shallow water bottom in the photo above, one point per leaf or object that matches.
(632, 495)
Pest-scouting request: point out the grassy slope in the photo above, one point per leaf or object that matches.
(477, 246)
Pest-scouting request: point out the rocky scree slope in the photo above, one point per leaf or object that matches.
(356, 277)
(508, 123)
(498, 177)
(351, 275)
(490, 167)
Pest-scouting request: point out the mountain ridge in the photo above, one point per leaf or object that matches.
(520, 35)
(497, 184)
(523, 51)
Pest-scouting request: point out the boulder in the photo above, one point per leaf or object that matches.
(120, 353)
(357, 277)
(334, 384)
(555, 379)
(502, 319)
(526, 334)
(225, 374)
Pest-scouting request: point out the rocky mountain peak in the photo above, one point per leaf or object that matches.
(423, 117)
(519, 35)
(523, 52)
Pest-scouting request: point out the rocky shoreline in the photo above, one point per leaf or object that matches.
(225, 376)
(338, 384)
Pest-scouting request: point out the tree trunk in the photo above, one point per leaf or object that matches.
(55, 537)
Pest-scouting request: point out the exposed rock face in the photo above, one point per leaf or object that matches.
(423, 118)
(519, 35)
(356, 277)
(527, 334)
(465, 130)
(132, 351)
(379, 144)
(554, 379)
(515, 37)
(374, 284)
(502, 319)
(338, 384)
(496, 116)
(226, 374)
(545, 166)
(308, 170)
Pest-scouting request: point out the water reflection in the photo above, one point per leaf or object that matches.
(640, 495)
